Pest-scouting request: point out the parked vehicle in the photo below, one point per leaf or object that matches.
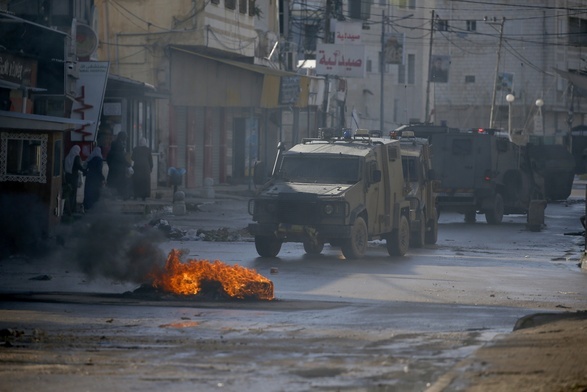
(482, 172)
(419, 178)
(341, 190)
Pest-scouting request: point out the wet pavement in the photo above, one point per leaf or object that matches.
(544, 341)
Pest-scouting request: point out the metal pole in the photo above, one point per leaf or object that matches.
(382, 75)
(491, 115)
(427, 114)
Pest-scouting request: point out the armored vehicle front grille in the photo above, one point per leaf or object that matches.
(298, 213)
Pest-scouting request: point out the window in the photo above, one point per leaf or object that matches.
(411, 68)
(577, 32)
(469, 78)
(369, 65)
(310, 36)
(359, 9)
(253, 10)
(441, 25)
(242, 6)
(230, 4)
(471, 25)
(23, 157)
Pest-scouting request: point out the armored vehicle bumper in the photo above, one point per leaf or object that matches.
(296, 233)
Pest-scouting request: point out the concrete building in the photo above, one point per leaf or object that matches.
(223, 97)
(531, 51)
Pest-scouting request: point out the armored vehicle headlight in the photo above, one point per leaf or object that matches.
(329, 209)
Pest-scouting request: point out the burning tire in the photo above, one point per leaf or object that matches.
(267, 246)
(399, 242)
(357, 244)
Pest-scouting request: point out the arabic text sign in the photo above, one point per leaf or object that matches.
(347, 32)
(90, 90)
(341, 60)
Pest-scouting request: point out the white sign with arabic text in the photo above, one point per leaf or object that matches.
(341, 60)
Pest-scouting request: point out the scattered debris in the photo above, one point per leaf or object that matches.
(41, 277)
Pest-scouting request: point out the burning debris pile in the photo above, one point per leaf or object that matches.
(210, 279)
(219, 235)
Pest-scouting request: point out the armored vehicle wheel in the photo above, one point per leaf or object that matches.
(313, 248)
(432, 232)
(356, 246)
(267, 246)
(494, 216)
(417, 240)
(470, 216)
(399, 242)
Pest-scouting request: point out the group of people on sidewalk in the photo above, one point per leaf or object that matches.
(129, 175)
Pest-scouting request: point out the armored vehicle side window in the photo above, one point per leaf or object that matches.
(462, 147)
(410, 168)
(320, 169)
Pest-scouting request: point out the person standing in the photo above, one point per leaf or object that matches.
(72, 167)
(94, 178)
(118, 166)
(143, 164)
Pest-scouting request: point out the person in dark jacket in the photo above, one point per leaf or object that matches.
(94, 178)
(142, 166)
(72, 167)
(118, 166)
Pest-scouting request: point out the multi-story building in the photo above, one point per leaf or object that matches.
(223, 96)
(487, 51)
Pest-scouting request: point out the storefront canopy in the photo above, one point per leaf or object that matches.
(36, 122)
(201, 80)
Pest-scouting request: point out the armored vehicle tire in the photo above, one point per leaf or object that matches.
(470, 216)
(356, 246)
(313, 248)
(399, 242)
(432, 232)
(494, 216)
(418, 238)
(267, 246)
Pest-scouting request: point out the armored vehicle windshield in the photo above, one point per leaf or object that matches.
(320, 168)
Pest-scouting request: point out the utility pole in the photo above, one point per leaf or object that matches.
(382, 75)
(427, 114)
(492, 115)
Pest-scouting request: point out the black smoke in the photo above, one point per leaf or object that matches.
(113, 246)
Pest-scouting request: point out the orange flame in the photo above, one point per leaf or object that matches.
(188, 278)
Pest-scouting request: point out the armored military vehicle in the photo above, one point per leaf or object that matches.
(420, 179)
(342, 190)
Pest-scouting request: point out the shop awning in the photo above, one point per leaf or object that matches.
(36, 122)
(214, 81)
(577, 79)
(119, 86)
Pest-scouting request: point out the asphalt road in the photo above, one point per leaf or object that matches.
(378, 323)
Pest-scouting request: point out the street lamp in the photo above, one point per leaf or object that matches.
(539, 123)
(510, 98)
